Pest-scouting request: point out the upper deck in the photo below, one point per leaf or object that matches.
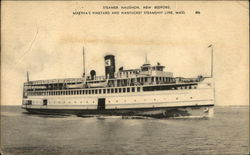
(147, 74)
(54, 81)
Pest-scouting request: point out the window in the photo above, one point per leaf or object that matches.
(124, 90)
(138, 89)
(96, 91)
(108, 91)
(133, 89)
(112, 90)
(116, 90)
(93, 91)
(120, 90)
(104, 91)
(145, 69)
(128, 90)
(100, 91)
(29, 102)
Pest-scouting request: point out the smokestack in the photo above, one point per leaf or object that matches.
(109, 66)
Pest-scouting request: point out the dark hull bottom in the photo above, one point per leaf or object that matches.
(194, 111)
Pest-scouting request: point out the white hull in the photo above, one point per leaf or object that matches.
(155, 101)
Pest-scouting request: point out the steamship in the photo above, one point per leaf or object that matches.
(148, 91)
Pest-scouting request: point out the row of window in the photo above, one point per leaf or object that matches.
(80, 92)
(109, 90)
(45, 101)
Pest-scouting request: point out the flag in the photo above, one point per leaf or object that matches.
(210, 45)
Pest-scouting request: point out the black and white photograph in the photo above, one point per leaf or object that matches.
(124, 77)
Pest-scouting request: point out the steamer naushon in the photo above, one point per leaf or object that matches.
(147, 91)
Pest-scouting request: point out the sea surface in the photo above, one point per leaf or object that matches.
(226, 133)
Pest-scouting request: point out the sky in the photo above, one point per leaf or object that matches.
(46, 39)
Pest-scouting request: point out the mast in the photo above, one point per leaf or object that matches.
(28, 77)
(211, 46)
(146, 59)
(83, 60)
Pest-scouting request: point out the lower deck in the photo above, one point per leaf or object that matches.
(165, 112)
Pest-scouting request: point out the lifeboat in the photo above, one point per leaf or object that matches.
(96, 84)
(78, 85)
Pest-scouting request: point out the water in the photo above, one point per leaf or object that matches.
(226, 133)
